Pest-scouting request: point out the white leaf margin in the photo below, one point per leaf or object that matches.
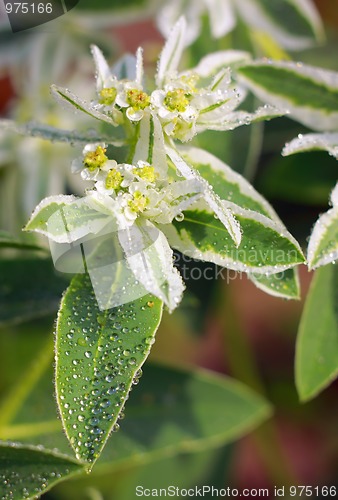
(313, 142)
(214, 202)
(311, 116)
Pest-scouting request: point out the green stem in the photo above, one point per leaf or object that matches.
(132, 136)
(254, 151)
(16, 397)
(243, 366)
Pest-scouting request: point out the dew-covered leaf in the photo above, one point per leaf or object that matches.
(54, 134)
(98, 357)
(284, 284)
(170, 411)
(65, 218)
(317, 341)
(227, 184)
(39, 296)
(211, 198)
(69, 99)
(309, 94)
(28, 471)
(294, 24)
(264, 247)
(323, 243)
(313, 142)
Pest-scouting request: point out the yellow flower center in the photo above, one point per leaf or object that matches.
(95, 159)
(114, 179)
(108, 96)
(176, 100)
(137, 99)
(138, 203)
(147, 173)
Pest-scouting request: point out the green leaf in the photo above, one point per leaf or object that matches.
(8, 241)
(323, 243)
(317, 341)
(284, 284)
(294, 24)
(310, 94)
(40, 294)
(53, 134)
(98, 356)
(313, 142)
(28, 471)
(263, 248)
(169, 412)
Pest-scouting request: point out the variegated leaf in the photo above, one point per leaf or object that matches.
(69, 99)
(310, 94)
(264, 247)
(313, 142)
(323, 244)
(284, 284)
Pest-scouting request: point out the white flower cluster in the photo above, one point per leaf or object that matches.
(141, 197)
(179, 102)
(134, 190)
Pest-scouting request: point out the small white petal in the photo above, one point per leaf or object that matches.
(135, 115)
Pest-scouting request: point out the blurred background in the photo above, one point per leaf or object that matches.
(225, 324)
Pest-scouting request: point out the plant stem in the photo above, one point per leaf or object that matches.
(243, 366)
